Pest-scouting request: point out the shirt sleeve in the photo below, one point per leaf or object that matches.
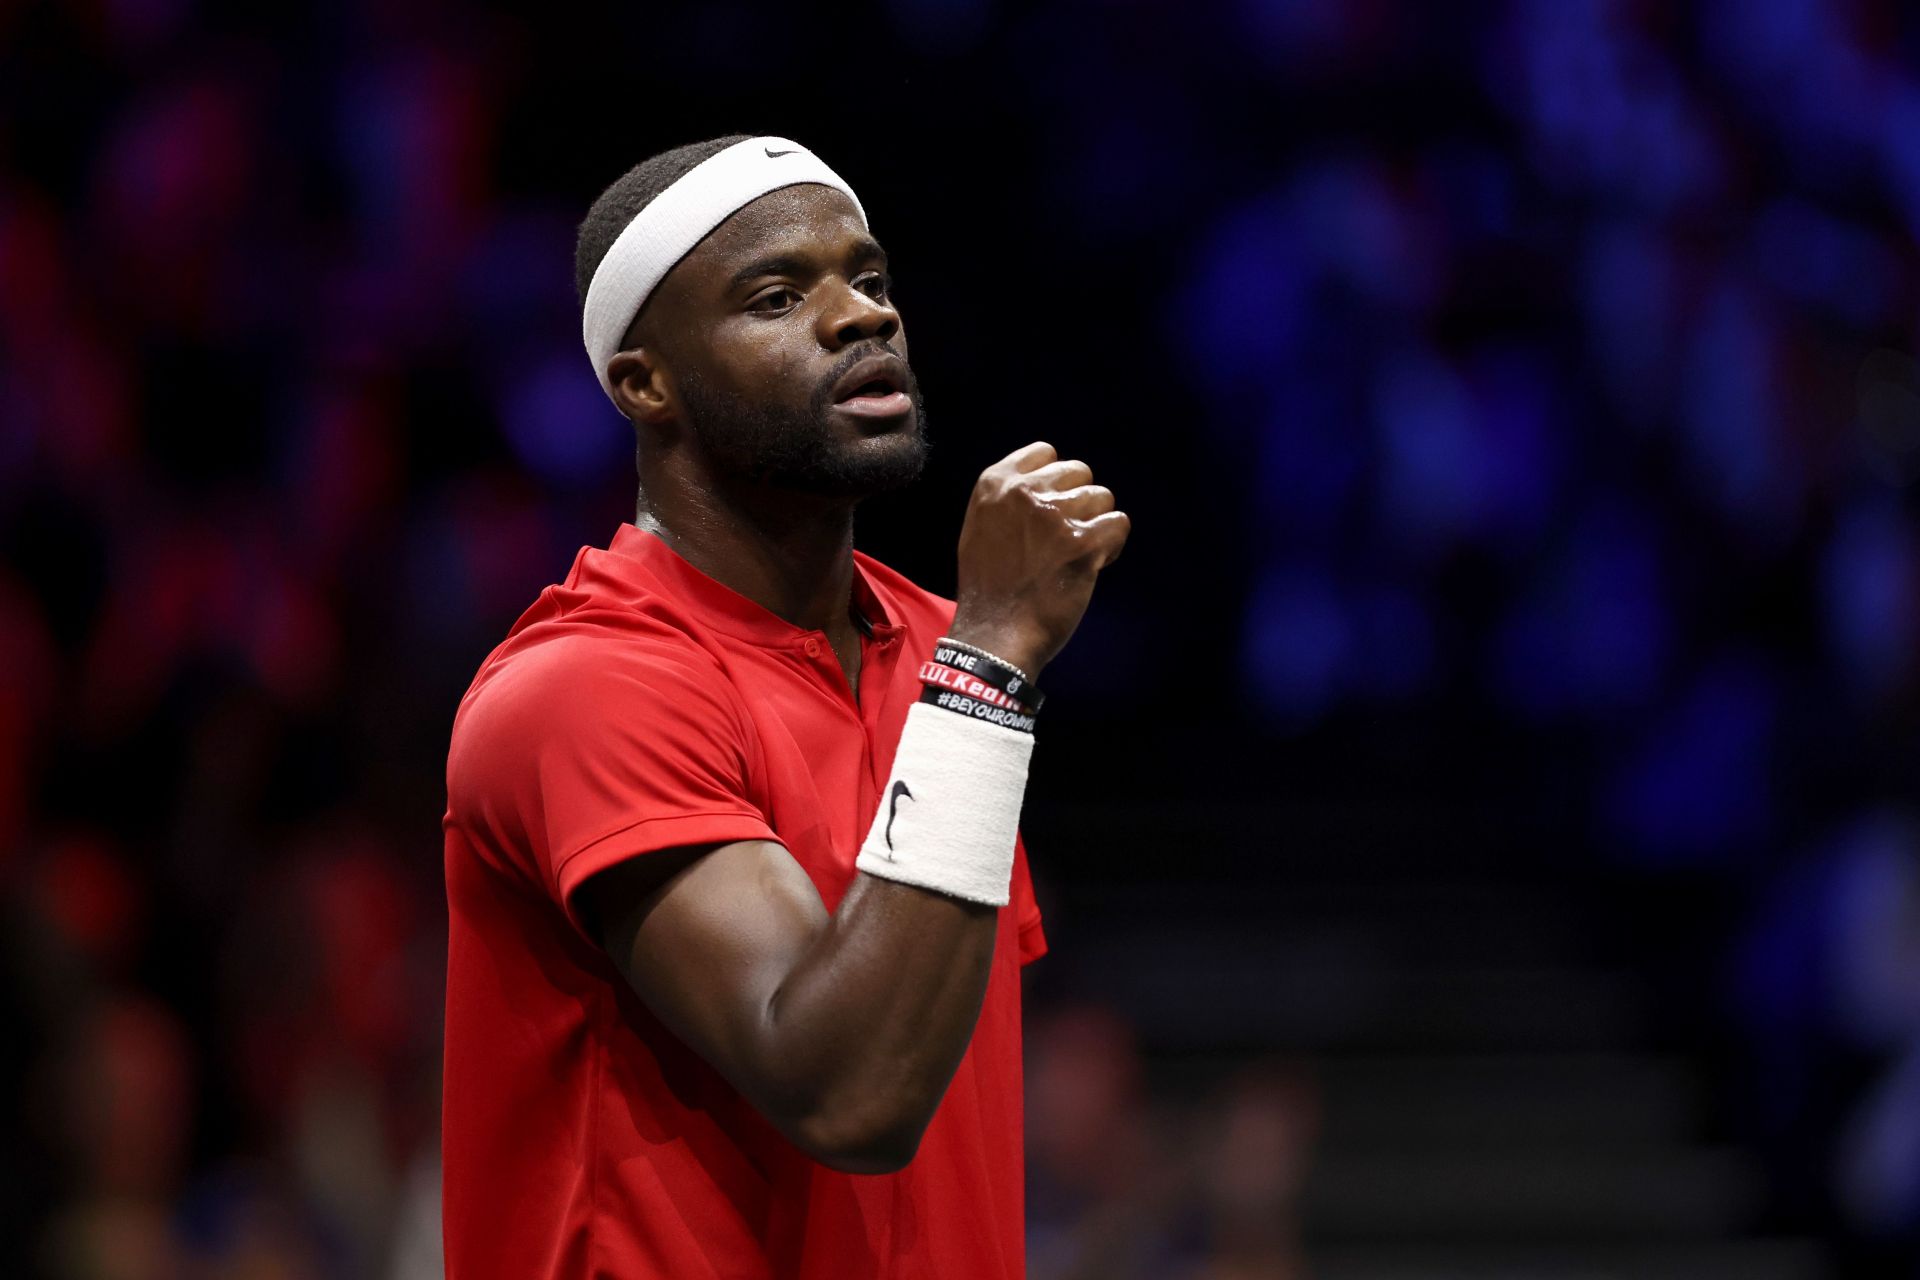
(576, 756)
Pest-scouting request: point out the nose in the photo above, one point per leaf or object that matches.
(852, 316)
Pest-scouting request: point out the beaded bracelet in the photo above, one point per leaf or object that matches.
(991, 668)
(978, 652)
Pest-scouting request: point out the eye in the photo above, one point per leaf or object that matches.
(775, 299)
(876, 286)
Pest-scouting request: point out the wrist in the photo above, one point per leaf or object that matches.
(967, 679)
(1004, 643)
(950, 817)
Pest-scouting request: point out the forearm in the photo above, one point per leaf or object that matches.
(865, 1031)
(872, 1017)
(843, 1029)
(854, 1040)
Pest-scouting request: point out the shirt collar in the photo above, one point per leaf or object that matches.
(729, 611)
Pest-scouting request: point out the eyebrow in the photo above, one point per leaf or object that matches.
(778, 265)
(785, 264)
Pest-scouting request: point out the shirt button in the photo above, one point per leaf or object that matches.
(812, 647)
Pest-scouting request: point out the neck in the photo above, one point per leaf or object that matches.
(791, 553)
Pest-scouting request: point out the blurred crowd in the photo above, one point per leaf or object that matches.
(1593, 391)
(1563, 352)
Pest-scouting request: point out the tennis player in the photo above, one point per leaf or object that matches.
(738, 901)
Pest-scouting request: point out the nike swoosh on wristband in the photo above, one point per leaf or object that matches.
(893, 808)
(775, 155)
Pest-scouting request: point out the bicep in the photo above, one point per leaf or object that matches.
(705, 936)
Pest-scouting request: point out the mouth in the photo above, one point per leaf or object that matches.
(874, 388)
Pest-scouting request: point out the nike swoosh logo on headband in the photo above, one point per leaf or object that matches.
(775, 155)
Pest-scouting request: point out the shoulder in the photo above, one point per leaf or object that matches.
(584, 682)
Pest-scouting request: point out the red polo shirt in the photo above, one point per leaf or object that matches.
(639, 706)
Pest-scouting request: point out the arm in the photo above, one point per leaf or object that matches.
(845, 1029)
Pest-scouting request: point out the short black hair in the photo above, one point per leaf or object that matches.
(633, 191)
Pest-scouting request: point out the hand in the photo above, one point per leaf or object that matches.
(1038, 532)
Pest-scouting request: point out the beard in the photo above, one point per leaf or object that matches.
(796, 447)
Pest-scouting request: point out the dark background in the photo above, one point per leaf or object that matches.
(1474, 822)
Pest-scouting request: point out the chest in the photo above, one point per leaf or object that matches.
(818, 756)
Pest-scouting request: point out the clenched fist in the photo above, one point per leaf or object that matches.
(1038, 531)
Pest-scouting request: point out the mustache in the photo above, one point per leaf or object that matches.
(823, 394)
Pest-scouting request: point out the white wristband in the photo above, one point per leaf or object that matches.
(951, 809)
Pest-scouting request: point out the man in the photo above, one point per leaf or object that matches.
(737, 900)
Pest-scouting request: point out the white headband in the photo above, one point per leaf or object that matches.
(678, 219)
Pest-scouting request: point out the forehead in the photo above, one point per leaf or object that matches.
(797, 220)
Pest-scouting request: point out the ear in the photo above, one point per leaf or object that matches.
(641, 386)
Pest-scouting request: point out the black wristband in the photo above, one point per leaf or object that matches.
(966, 705)
(993, 669)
